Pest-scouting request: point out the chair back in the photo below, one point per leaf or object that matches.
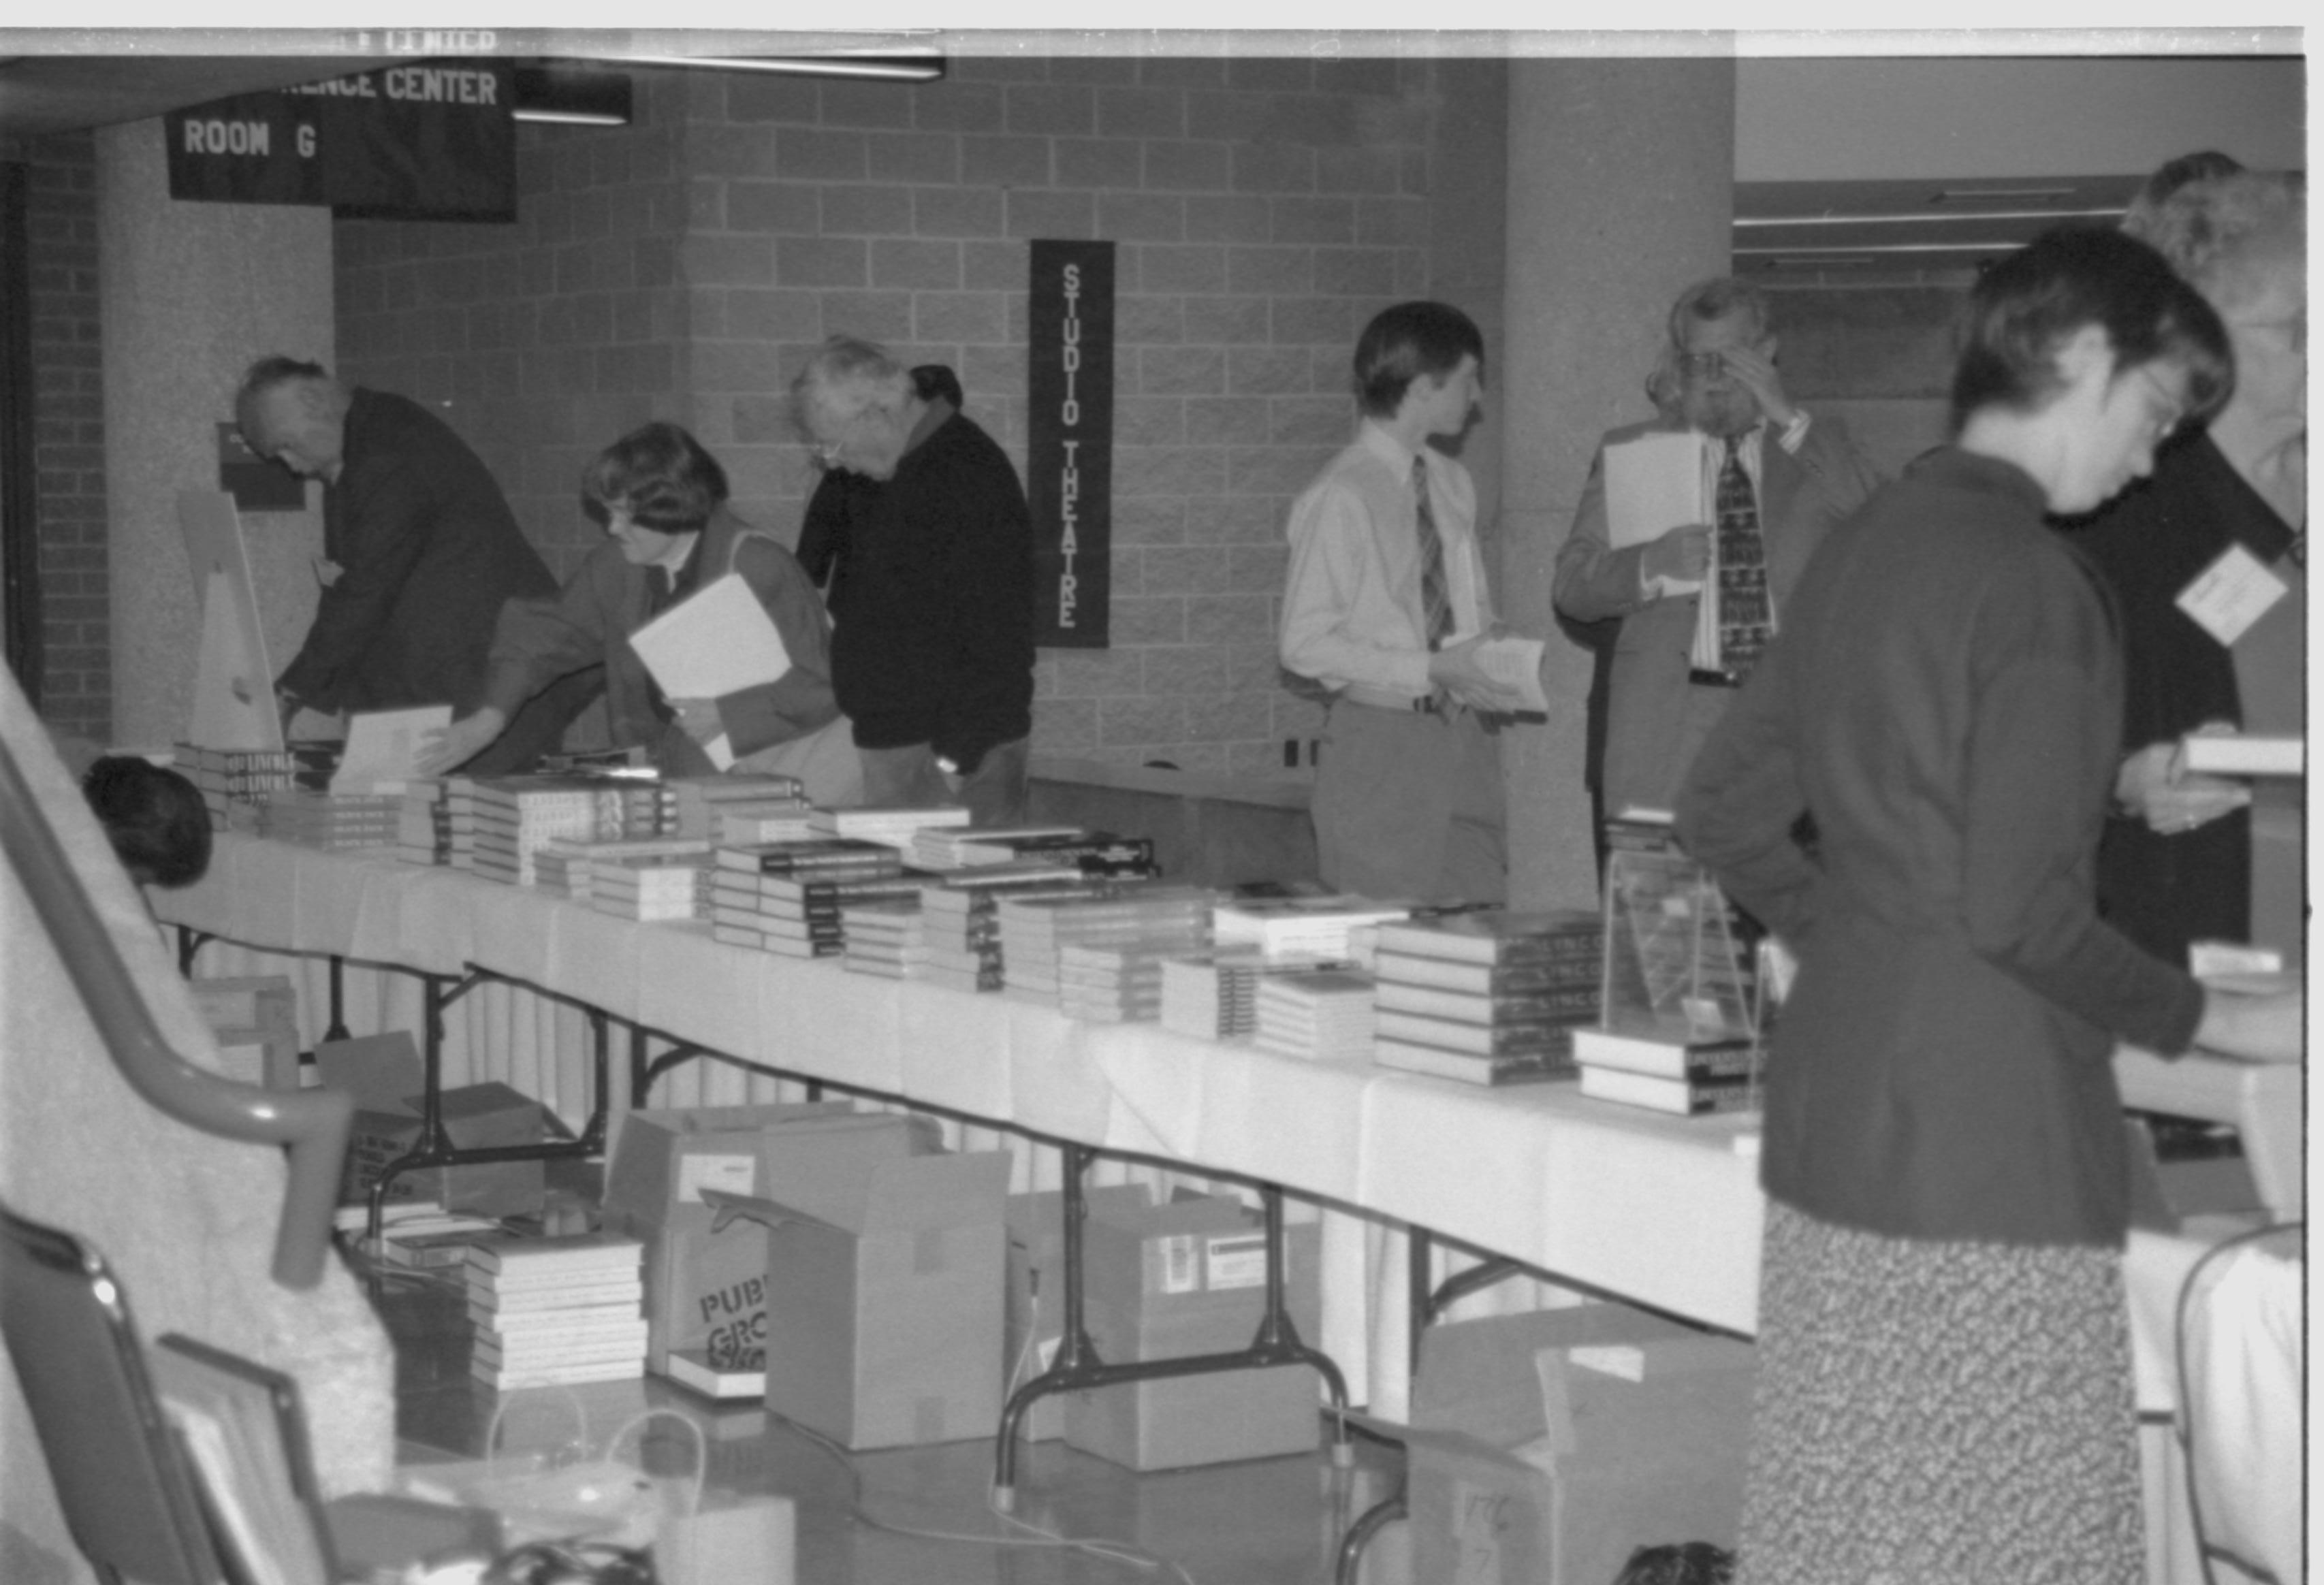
(121, 1478)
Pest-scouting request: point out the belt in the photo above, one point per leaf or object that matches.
(1701, 679)
(1382, 699)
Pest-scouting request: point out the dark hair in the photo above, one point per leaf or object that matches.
(661, 475)
(2026, 307)
(272, 369)
(154, 816)
(1685, 1562)
(2202, 165)
(1403, 343)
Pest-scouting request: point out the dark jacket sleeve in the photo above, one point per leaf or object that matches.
(1741, 800)
(991, 570)
(823, 531)
(800, 700)
(386, 518)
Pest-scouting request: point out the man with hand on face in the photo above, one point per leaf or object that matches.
(1774, 481)
(931, 611)
(421, 551)
(1385, 604)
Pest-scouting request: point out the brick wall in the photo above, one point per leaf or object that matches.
(68, 436)
(684, 266)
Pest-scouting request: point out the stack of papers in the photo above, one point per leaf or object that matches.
(1173, 919)
(1299, 929)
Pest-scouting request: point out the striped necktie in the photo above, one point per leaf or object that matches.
(1747, 610)
(1435, 600)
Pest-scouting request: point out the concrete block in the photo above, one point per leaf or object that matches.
(1141, 113)
(1004, 162)
(1185, 570)
(727, 260)
(759, 96)
(1124, 721)
(1046, 214)
(1268, 370)
(1148, 420)
(866, 211)
(1164, 267)
(1149, 620)
(957, 106)
(1054, 109)
(1143, 320)
(814, 154)
(771, 207)
(1271, 167)
(930, 265)
(1309, 219)
(1181, 371)
(1129, 217)
(956, 211)
(913, 156)
(1226, 420)
(1187, 167)
(959, 317)
(1224, 617)
(1234, 321)
(1356, 271)
(877, 316)
(866, 104)
(812, 260)
(1270, 269)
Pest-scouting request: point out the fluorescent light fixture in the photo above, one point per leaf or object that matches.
(571, 96)
(1744, 222)
(904, 65)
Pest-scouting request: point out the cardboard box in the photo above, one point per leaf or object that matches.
(385, 1075)
(707, 1285)
(883, 1297)
(1034, 1297)
(255, 1019)
(1189, 1278)
(1547, 1447)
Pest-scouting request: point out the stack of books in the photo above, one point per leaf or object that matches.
(423, 825)
(557, 1311)
(1488, 998)
(562, 864)
(500, 822)
(333, 822)
(1094, 852)
(1325, 1015)
(233, 782)
(1169, 920)
(894, 827)
(1669, 1068)
(784, 897)
(699, 802)
(877, 936)
(653, 887)
(1300, 929)
(960, 935)
(1115, 983)
(1214, 995)
(748, 825)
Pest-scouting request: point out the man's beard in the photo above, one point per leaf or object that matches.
(1720, 413)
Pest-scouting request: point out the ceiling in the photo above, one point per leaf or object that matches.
(1785, 231)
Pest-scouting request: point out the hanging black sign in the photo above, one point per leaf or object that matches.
(428, 141)
(1069, 442)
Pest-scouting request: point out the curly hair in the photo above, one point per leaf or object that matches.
(2228, 236)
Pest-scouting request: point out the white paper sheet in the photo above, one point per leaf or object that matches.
(1516, 665)
(383, 749)
(716, 641)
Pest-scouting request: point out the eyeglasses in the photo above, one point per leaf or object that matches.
(2174, 402)
(1701, 365)
(826, 452)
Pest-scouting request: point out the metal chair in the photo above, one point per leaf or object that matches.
(121, 1478)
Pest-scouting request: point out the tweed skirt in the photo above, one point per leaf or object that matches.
(1935, 1412)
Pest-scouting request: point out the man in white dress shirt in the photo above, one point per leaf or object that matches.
(1385, 605)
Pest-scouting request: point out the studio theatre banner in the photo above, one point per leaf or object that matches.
(1069, 442)
(428, 141)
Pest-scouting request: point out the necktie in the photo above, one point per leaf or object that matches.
(1747, 612)
(1435, 601)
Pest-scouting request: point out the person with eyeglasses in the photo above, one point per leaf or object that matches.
(1698, 603)
(931, 596)
(2228, 495)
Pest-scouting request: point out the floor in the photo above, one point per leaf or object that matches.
(1264, 1522)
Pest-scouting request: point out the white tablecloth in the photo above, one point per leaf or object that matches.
(1663, 1210)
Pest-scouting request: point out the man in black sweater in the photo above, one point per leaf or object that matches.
(421, 551)
(932, 600)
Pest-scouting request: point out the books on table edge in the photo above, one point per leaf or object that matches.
(1573, 1004)
(2246, 753)
(1667, 1055)
(1680, 1097)
(1470, 1067)
(1499, 938)
(1547, 1038)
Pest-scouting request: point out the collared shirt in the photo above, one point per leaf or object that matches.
(1351, 600)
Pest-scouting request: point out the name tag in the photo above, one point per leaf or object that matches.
(2231, 594)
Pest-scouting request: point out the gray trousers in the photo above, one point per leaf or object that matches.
(1407, 805)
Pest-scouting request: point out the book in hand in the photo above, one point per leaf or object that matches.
(2244, 753)
(1683, 1097)
(243, 1431)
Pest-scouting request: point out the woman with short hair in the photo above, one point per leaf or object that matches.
(661, 499)
(1945, 1390)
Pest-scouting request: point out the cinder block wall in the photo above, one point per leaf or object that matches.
(69, 436)
(684, 266)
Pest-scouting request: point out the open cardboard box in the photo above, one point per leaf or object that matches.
(1189, 1278)
(1546, 1447)
(883, 1279)
(388, 1083)
(1033, 1295)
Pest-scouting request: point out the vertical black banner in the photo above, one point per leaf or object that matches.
(1069, 442)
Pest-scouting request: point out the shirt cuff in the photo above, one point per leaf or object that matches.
(1796, 432)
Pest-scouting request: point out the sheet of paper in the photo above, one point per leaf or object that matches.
(383, 749)
(2231, 594)
(716, 641)
(1516, 665)
(1654, 484)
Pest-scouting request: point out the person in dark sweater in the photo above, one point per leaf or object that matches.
(929, 551)
(421, 551)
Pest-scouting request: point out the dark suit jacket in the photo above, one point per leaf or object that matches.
(1650, 742)
(428, 553)
(1946, 701)
(610, 598)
